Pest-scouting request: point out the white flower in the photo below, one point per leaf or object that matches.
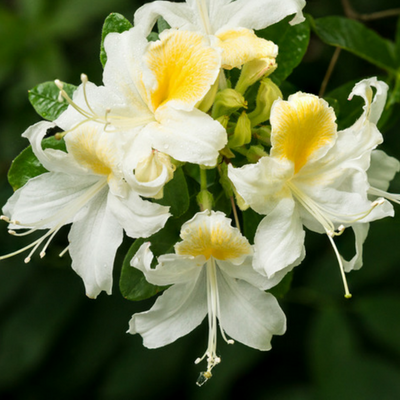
(211, 273)
(84, 187)
(314, 176)
(151, 92)
(230, 22)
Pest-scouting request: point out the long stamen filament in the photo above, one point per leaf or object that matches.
(213, 312)
(381, 193)
(347, 293)
(66, 212)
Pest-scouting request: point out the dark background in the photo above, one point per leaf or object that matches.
(57, 344)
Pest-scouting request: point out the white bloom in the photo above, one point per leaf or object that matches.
(84, 187)
(211, 273)
(151, 92)
(314, 176)
(230, 22)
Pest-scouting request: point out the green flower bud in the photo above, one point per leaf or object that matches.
(227, 101)
(253, 71)
(208, 100)
(255, 153)
(267, 94)
(242, 133)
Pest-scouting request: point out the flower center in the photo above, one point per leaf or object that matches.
(218, 241)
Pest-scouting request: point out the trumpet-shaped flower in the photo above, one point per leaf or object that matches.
(230, 22)
(314, 176)
(85, 187)
(211, 274)
(150, 93)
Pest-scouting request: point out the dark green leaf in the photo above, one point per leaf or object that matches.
(250, 223)
(26, 165)
(357, 39)
(44, 99)
(133, 284)
(176, 194)
(292, 42)
(113, 23)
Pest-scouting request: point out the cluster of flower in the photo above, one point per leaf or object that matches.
(167, 102)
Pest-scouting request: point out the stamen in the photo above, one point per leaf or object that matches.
(347, 293)
(63, 252)
(66, 213)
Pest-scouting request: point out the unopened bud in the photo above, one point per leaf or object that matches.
(267, 94)
(242, 133)
(253, 71)
(227, 101)
(255, 153)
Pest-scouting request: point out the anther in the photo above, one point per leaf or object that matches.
(27, 259)
(12, 233)
(84, 78)
(59, 84)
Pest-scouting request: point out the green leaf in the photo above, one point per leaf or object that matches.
(26, 165)
(251, 220)
(44, 99)
(354, 37)
(113, 23)
(176, 194)
(292, 42)
(162, 24)
(133, 284)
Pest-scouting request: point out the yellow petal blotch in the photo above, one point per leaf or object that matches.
(301, 128)
(243, 45)
(217, 240)
(91, 149)
(184, 66)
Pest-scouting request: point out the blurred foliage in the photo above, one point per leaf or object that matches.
(57, 344)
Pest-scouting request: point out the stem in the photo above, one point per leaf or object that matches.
(329, 71)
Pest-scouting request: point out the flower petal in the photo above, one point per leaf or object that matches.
(187, 136)
(382, 170)
(248, 314)
(171, 268)
(246, 272)
(178, 311)
(256, 14)
(139, 218)
(303, 129)
(184, 66)
(48, 200)
(241, 45)
(262, 185)
(360, 233)
(94, 240)
(279, 240)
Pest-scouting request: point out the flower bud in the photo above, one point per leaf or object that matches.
(242, 133)
(267, 94)
(255, 153)
(206, 103)
(152, 167)
(253, 71)
(227, 101)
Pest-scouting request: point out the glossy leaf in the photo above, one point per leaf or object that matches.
(292, 42)
(45, 99)
(356, 38)
(26, 165)
(113, 23)
(176, 194)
